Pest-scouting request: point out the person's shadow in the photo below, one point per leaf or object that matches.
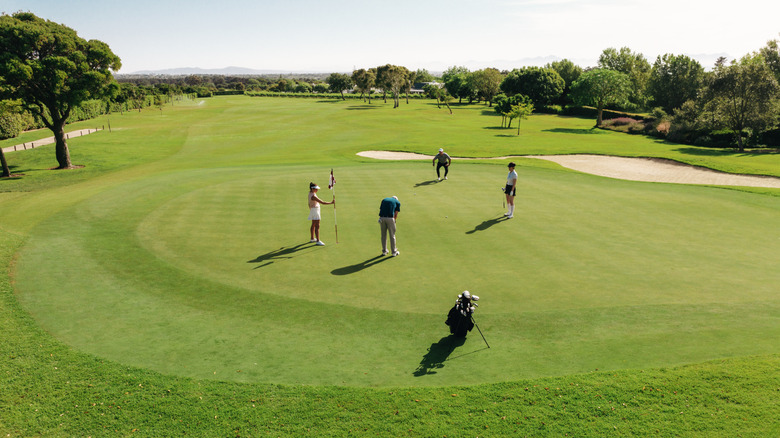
(351, 269)
(281, 253)
(437, 354)
(426, 183)
(487, 224)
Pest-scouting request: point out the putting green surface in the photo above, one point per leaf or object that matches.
(201, 267)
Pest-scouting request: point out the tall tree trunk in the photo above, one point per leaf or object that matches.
(600, 111)
(61, 147)
(6, 171)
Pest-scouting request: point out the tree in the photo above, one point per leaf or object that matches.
(392, 78)
(511, 107)
(422, 76)
(744, 95)
(674, 80)
(634, 65)
(569, 72)
(338, 82)
(52, 70)
(364, 81)
(600, 87)
(540, 84)
(520, 112)
(456, 81)
(486, 82)
(771, 54)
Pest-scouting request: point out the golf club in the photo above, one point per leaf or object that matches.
(480, 332)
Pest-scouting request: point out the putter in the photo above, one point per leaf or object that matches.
(480, 332)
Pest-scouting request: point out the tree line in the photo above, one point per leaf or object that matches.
(49, 76)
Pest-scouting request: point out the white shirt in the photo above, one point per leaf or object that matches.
(511, 178)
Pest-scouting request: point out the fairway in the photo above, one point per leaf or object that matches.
(199, 265)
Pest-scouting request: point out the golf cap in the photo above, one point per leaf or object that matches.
(441, 150)
(396, 197)
(510, 165)
(314, 186)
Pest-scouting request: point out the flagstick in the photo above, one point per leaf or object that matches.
(333, 190)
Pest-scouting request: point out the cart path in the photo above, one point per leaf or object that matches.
(48, 140)
(633, 169)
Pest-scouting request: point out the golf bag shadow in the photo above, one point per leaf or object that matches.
(459, 319)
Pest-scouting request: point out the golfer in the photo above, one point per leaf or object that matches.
(388, 214)
(314, 213)
(510, 190)
(444, 161)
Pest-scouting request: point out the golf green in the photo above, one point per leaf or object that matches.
(202, 267)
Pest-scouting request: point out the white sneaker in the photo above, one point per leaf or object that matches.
(510, 216)
(320, 243)
(312, 240)
(396, 253)
(445, 177)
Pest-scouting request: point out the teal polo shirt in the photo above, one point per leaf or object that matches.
(388, 207)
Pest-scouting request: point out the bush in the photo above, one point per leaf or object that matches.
(10, 125)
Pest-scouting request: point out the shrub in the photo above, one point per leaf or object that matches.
(10, 125)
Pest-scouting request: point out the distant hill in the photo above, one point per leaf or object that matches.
(226, 71)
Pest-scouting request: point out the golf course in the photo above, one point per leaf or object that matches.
(167, 286)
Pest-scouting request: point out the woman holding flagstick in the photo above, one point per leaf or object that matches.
(314, 213)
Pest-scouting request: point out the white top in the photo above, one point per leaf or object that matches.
(511, 178)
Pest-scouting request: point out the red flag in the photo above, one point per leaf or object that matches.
(332, 180)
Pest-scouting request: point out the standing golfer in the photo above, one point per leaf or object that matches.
(510, 190)
(388, 213)
(444, 161)
(314, 213)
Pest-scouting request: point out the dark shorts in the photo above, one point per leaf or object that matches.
(509, 190)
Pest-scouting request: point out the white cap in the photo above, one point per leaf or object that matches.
(441, 150)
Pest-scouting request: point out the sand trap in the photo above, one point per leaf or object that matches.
(633, 169)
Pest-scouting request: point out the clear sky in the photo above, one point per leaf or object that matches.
(339, 36)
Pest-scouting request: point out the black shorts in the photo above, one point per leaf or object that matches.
(509, 190)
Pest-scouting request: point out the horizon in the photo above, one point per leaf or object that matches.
(304, 36)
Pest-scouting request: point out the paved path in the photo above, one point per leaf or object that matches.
(47, 140)
(634, 169)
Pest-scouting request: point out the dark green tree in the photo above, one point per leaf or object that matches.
(744, 96)
(338, 82)
(570, 72)
(674, 80)
(364, 81)
(635, 66)
(600, 87)
(541, 84)
(486, 83)
(52, 70)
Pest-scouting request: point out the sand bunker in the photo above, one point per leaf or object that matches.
(633, 169)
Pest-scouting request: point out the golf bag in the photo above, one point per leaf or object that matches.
(459, 317)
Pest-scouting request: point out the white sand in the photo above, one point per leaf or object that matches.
(634, 169)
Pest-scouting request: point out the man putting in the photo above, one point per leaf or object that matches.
(444, 161)
(510, 190)
(388, 213)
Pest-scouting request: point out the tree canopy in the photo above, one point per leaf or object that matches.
(51, 70)
(744, 95)
(541, 84)
(674, 80)
(600, 87)
(338, 82)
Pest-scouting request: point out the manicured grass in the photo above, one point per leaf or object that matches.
(192, 264)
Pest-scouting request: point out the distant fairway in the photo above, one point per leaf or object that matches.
(198, 264)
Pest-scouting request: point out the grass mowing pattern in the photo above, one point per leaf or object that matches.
(107, 221)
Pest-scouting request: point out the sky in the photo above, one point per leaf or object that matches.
(320, 36)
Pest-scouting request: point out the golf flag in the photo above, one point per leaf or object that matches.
(332, 185)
